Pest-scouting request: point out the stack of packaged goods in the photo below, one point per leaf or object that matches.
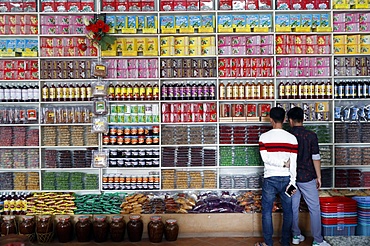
(338, 216)
(363, 210)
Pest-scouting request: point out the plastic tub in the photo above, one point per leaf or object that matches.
(338, 230)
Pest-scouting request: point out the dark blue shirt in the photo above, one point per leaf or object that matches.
(308, 145)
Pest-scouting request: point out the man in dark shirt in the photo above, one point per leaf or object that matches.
(308, 178)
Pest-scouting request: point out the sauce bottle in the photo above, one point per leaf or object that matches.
(182, 91)
(18, 93)
(142, 91)
(305, 90)
(222, 91)
(45, 93)
(187, 91)
(36, 93)
(347, 91)
(212, 91)
(2, 93)
(52, 92)
(83, 92)
(123, 92)
(194, 91)
(258, 88)
(111, 91)
(206, 91)
(271, 90)
(30, 93)
(59, 92)
(65, 93)
(360, 89)
(200, 92)
(71, 92)
(77, 93)
(164, 92)
(265, 90)
(176, 91)
(323, 92)
(317, 90)
(341, 89)
(89, 92)
(241, 91)
(247, 90)
(281, 90)
(117, 92)
(235, 91)
(365, 89)
(229, 90)
(300, 89)
(294, 89)
(311, 90)
(129, 94)
(155, 91)
(135, 92)
(149, 91)
(170, 91)
(288, 90)
(24, 93)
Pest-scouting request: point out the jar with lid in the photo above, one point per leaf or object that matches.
(83, 229)
(155, 229)
(8, 226)
(100, 229)
(135, 228)
(171, 230)
(27, 227)
(64, 229)
(117, 228)
(44, 229)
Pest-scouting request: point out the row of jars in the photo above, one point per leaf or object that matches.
(42, 230)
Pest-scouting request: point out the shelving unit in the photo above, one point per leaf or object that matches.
(225, 57)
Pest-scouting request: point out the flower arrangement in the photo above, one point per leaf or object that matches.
(97, 31)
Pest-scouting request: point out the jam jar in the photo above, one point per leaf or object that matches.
(83, 229)
(64, 229)
(155, 229)
(117, 228)
(27, 227)
(135, 228)
(44, 229)
(8, 226)
(100, 229)
(171, 230)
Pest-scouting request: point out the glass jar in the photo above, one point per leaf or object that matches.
(117, 229)
(8, 226)
(171, 230)
(44, 229)
(27, 227)
(100, 229)
(135, 228)
(64, 229)
(83, 229)
(155, 229)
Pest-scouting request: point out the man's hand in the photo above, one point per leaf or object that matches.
(287, 163)
(318, 183)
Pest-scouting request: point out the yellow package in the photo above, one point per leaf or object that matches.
(129, 47)
(365, 39)
(365, 49)
(353, 49)
(208, 50)
(181, 51)
(167, 51)
(181, 41)
(340, 39)
(353, 39)
(167, 41)
(195, 50)
(111, 51)
(340, 49)
(140, 44)
(151, 47)
(194, 41)
(207, 41)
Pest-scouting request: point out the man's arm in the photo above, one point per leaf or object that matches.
(317, 165)
(293, 165)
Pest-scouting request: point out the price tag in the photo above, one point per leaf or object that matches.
(129, 30)
(168, 30)
(261, 29)
(150, 30)
(303, 29)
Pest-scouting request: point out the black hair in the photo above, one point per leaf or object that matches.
(296, 114)
(277, 114)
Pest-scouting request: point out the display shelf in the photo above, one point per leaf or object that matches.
(216, 33)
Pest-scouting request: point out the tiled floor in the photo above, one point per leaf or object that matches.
(203, 241)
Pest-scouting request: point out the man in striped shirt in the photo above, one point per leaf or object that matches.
(278, 149)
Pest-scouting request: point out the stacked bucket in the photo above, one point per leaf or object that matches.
(338, 216)
(363, 210)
